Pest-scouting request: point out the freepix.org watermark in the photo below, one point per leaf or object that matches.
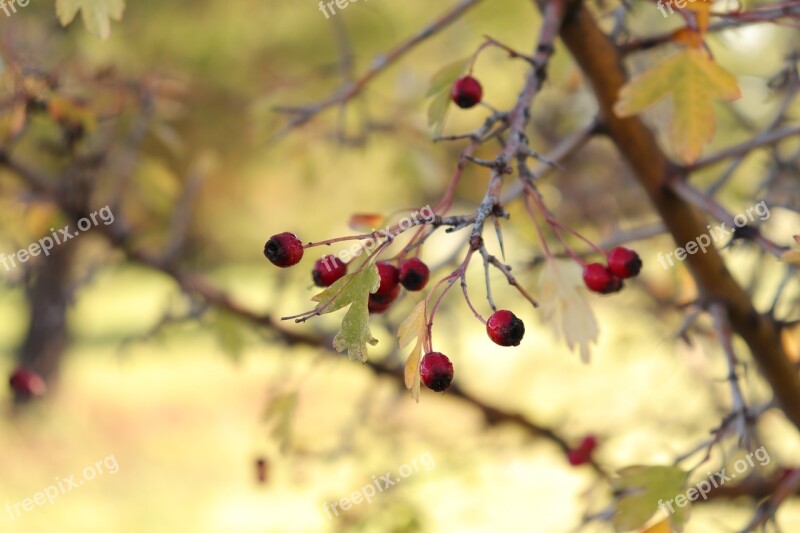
(424, 215)
(61, 486)
(714, 234)
(9, 7)
(379, 484)
(716, 479)
(680, 4)
(56, 238)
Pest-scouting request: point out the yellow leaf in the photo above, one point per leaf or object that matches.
(694, 81)
(95, 13)
(365, 221)
(659, 527)
(791, 256)
(563, 306)
(414, 326)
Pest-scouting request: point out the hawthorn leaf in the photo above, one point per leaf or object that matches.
(96, 14)
(564, 307)
(351, 290)
(446, 76)
(694, 81)
(638, 490)
(437, 111)
(413, 327)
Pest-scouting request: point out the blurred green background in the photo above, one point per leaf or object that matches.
(187, 411)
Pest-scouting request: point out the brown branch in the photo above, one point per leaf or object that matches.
(601, 63)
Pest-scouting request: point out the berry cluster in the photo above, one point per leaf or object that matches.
(285, 250)
(503, 327)
(622, 264)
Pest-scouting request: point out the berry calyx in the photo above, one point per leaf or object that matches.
(600, 279)
(378, 303)
(284, 249)
(390, 277)
(624, 262)
(466, 92)
(327, 270)
(505, 329)
(26, 383)
(414, 274)
(436, 371)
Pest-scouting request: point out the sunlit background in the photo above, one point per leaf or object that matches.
(185, 410)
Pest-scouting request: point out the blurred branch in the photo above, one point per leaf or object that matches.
(303, 114)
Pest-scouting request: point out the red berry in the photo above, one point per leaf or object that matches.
(414, 274)
(624, 263)
(327, 270)
(578, 457)
(284, 249)
(436, 371)
(583, 453)
(466, 92)
(505, 329)
(26, 383)
(378, 303)
(600, 279)
(588, 444)
(390, 278)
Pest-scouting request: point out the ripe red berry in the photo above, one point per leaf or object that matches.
(284, 249)
(505, 329)
(414, 274)
(390, 278)
(327, 270)
(600, 279)
(436, 371)
(26, 383)
(583, 453)
(624, 263)
(466, 92)
(378, 303)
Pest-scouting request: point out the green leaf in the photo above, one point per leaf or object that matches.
(95, 14)
(279, 413)
(230, 334)
(437, 111)
(445, 76)
(353, 290)
(639, 489)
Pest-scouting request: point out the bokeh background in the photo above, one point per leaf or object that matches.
(188, 407)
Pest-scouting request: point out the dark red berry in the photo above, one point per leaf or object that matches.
(466, 92)
(26, 383)
(583, 453)
(624, 263)
(578, 457)
(600, 279)
(284, 249)
(262, 470)
(390, 278)
(414, 274)
(378, 303)
(505, 329)
(327, 270)
(589, 443)
(436, 371)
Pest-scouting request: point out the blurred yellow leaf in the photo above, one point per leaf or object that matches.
(413, 327)
(365, 221)
(445, 77)
(641, 489)
(694, 81)
(791, 256)
(95, 14)
(563, 306)
(659, 527)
